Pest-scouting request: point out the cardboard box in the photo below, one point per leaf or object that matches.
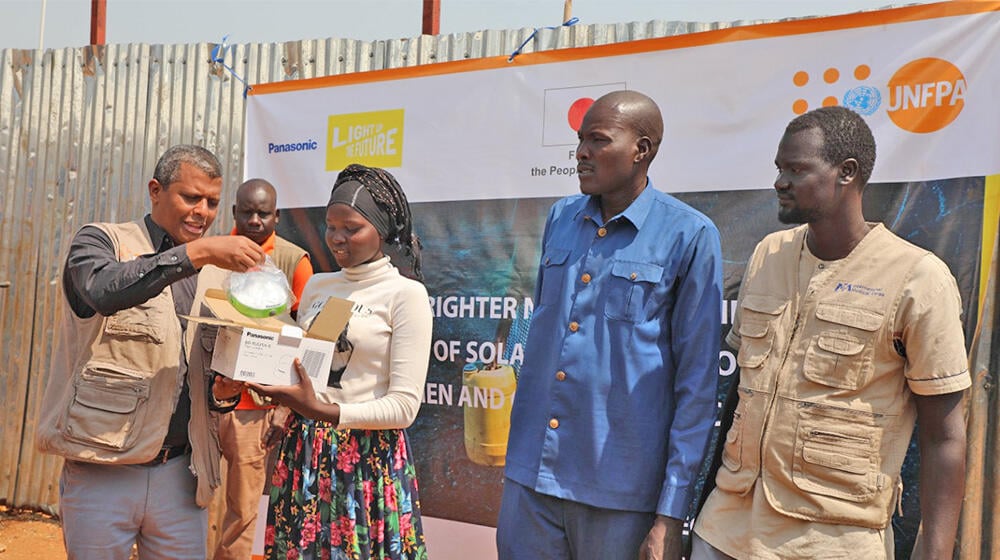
(262, 350)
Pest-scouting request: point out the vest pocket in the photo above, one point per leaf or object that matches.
(836, 460)
(841, 357)
(758, 317)
(741, 450)
(107, 407)
(142, 322)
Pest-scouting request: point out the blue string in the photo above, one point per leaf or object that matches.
(218, 55)
(517, 51)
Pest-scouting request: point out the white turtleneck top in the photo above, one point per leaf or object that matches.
(390, 328)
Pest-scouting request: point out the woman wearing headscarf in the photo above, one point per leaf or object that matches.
(345, 485)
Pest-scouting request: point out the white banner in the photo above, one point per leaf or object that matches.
(483, 141)
(490, 129)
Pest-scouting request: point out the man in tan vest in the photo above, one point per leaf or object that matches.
(249, 435)
(846, 334)
(130, 393)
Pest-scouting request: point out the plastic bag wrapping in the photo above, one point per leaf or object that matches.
(262, 291)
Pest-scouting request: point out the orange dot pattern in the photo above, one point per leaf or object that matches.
(831, 76)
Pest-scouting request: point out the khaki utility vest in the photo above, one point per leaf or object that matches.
(286, 256)
(114, 381)
(825, 414)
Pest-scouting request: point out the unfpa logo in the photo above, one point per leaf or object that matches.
(926, 95)
(922, 96)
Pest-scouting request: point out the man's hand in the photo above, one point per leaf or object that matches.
(231, 252)
(663, 541)
(276, 428)
(225, 389)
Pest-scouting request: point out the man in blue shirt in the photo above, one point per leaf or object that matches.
(617, 393)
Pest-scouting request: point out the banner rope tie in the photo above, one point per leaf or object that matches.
(219, 57)
(571, 21)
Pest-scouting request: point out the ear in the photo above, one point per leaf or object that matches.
(644, 146)
(849, 171)
(155, 189)
(277, 215)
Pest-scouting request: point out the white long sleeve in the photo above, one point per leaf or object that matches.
(390, 328)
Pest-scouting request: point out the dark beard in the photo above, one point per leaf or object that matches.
(795, 215)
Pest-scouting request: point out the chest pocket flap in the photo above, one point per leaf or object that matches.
(768, 305)
(768, 308)
(850, 316)
(555, 257)
(637, 271)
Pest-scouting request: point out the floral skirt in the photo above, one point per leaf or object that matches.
(343, 494)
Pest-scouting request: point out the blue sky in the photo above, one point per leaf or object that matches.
(67, 22)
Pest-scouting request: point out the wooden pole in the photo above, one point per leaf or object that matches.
(41, 28)
(979, 506)
(432, 17)
(98, 19)
(567, 10)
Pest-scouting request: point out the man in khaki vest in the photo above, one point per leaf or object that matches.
(130, 393)
(846, 335)
(250, 433)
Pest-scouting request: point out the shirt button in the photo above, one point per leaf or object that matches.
(602, 232)
(173, 258)
(560, 376)
(179, 269)
(633, 276)
(585, 278)
(822, 266)
(553, 423)
(574, 326)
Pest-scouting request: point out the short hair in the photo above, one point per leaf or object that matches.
(639, 112)
(256, 184)
(846, 135)
(200, 158)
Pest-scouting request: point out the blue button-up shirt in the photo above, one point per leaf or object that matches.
(617, 393)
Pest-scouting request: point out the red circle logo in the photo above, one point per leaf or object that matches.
(577, 110)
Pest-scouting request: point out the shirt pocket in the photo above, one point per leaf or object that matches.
(553, 275)
(759, 316)
(631, 286)
(840, 356)
(837, 457)
(108, 407)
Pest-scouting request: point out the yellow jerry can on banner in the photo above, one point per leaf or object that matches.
(490, 394)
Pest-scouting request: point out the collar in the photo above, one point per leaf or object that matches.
(267, 246)
(158, 236)
(635, 214)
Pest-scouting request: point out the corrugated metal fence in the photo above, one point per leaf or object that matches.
(80, 131)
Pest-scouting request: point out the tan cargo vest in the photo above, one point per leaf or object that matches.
(114, 381)
(286, 256)
(833, 427)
